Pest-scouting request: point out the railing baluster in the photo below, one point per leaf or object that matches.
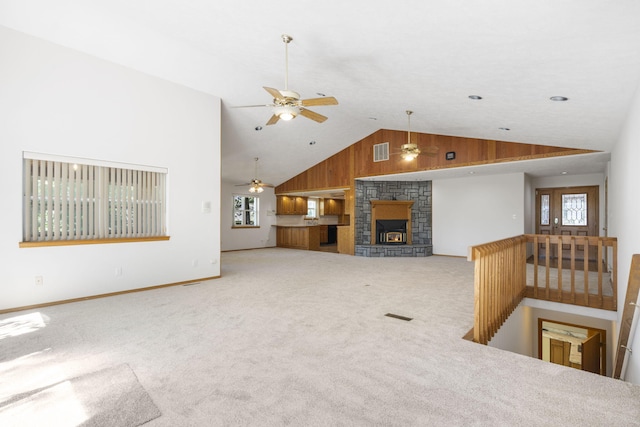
(535, 266)
(586, 272)
(547, 242)
(573, 269)
(560, 254)
(599, 261)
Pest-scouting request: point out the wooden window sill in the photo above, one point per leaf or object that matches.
(90, 241)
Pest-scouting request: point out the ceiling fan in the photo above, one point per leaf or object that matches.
(287, 104)
(255, 185)
(410, 150)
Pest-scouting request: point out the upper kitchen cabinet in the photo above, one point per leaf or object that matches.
(333, 206)
(291, 205)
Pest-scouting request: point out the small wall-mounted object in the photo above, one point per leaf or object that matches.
(450, 155)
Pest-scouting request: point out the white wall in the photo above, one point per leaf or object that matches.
(529, 205)
(60, 101)
(624, 220)
(515, 335)
(475, 210)
(247, 238)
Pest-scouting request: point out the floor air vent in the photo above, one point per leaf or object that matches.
(397, 316)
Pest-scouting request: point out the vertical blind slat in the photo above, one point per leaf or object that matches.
(146, 202)
(58, 197)
(78, 202)
(112, 203)
(91, 203)
(64, 192)
(41, 200)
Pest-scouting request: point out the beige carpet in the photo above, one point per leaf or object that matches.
(110, 397)
(296, 338)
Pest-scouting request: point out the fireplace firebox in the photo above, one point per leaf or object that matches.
(391, 232)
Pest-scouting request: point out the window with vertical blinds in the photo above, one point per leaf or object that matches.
(74, 199)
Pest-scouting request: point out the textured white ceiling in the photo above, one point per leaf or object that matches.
(378, 58)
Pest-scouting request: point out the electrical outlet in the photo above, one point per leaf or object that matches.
(194, 262)
(118, 271)
(39, 280)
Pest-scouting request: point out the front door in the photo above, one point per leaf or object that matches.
(568, 211)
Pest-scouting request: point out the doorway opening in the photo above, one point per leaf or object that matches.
(568, 211)
(575, 346)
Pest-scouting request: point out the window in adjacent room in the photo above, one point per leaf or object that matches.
(74, 201)
(245, 211)
(312, 208)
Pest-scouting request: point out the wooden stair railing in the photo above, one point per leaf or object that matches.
(630, 306)
(553, 289)
(500, 277)
(499, 283)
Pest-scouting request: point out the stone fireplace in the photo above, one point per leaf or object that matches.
(408, 201)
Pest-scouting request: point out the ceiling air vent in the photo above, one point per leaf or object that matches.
(381, 152)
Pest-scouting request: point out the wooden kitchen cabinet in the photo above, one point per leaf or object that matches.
(300, 206)
(324, 233)
(345, 240)
(307, 238)
(291, 205)
(333, 206)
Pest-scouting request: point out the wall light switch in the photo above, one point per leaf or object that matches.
(206, 207)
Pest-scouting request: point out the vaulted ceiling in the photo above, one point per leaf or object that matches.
(379, 59)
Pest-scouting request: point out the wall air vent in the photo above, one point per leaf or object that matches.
(381, 152)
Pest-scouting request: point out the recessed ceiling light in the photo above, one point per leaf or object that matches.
(471, 173)
(564, 172)
(559, 98)
(475, 97)
(312, 143)
(258, 128)
(504, 128)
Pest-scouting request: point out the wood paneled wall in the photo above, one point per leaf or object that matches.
(339, 170)
(333, 172)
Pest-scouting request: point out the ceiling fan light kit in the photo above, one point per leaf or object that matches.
(286, 112)
(410, 151)
(255, 188)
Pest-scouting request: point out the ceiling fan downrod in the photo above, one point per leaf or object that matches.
(286, 39)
